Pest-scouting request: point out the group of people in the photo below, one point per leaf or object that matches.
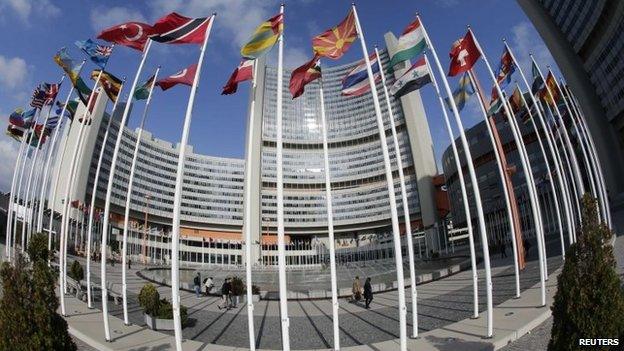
(357, 292)
(227, 300)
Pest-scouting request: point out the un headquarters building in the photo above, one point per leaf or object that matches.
(213, 191)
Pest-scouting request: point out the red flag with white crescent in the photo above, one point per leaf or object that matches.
(131, 34)
(185, 76)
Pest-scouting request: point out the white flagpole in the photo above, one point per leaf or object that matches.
(330, 220)
(504, 184)
(475, 186)
(27, 135)
(283, 293)
(177, 199)
(462, 183)
(528, 174)
(135, 157)
(96, 180)
(69, 183)
(568, 143)
(406, 214)
(21, 158)
(247, 215)
(32, 169)
(592, 148)
(550, 177)
(42, 206)
(109, 191)
(551, 145)
(390, 187)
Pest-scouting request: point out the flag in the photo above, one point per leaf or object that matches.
(38, 96)
(185, 76)
(464, 54)
(51, 92)
(356, 82)
(99, 54)
(463, 91)
(505, 69)
(303, 75)
(82, 90)
(109, 82)
(264, 37)
(411, 43)
(334, 42)
(551, 83)
(15, 132)
(515, 100)
(130, 34)
(177, 29)
(51, 123)
(415, 78)
(243, 72)
(70, 110)
(495, 102)
(16, 117)
(142, 92)
(29, 117)
(538, 81)
(68, 65)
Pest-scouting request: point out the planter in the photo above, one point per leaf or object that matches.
(157, 323)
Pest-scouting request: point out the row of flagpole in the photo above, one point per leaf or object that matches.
(567, 153)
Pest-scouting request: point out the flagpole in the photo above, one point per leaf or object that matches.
(33, 166)
(247, 215)
(528, 174)
(551, 146)
(129, 196)
(109, 191)
(588, 165)
(390, 187)
(69, 184)
(592, 148)
(406, 214)
(462, 183)
(177, 199)
(330, 220)
(475, 186)
(550, 177)
(505, 185)
(96, 180)
(283, 293)
(18, 165)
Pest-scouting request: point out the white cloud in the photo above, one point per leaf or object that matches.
(24, 9)
(8, 155)
(237, 18)
(13, 72)
(295, 57)
(524, 41)
(102, 18)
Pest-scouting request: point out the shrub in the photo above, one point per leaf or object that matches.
(28, 318)
(254, 289)
(149, 299)
(76, 272)
(238, 287)
(589, 302)
(166, 311)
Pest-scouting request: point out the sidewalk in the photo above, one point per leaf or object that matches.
(512, 318)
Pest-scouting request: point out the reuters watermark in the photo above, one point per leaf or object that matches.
(599, 342)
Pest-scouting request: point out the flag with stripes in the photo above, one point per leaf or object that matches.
(356, 82)
(38, 96)
(52, 122)
(264, 37)
(177, 29)
(51, 92)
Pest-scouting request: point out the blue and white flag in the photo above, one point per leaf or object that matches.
(52, 122)
(99, 54)
(356, 82)
(415, 78)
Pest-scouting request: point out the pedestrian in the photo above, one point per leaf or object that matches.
(208, 285)
(197, 284)
(527, 246)
(225, 292)
(368, 292)
(129, 263)
(356, 290)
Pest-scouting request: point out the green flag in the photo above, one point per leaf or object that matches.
(142, 92)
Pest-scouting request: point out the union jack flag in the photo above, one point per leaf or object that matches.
(104, 50)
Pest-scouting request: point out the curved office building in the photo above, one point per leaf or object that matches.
(213, 192)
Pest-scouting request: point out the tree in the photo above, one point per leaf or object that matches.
(76, 272)
(28, 318)
(589, 302)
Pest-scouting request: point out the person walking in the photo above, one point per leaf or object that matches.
(356, 290)
(197, 285)
(225, 292)
(208, 285)
(368, 293)
(527, 246)
(129, 264)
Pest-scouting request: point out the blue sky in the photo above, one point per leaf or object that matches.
(33, 30)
